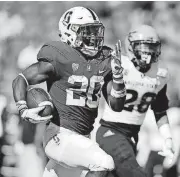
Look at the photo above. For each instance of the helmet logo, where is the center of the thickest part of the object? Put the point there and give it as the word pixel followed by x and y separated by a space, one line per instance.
pixel 67 18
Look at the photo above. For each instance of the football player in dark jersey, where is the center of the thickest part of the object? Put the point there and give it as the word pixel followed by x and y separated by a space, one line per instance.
pixel 75 69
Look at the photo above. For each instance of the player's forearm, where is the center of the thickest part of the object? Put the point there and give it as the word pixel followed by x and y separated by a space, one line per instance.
pixel 161 119
pixel 119 88
pixel 163 125
pixel 117 96
pixel 116 104
pixel 19 92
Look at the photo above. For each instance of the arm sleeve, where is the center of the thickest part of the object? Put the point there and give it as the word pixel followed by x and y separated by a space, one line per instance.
pixel 161 102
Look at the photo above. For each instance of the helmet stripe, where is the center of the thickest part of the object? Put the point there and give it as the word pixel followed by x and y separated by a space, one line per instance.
pixel 92 13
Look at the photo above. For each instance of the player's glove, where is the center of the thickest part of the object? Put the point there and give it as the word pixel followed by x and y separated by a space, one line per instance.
pixel 117 69
pixel 168 153
pixel 31 115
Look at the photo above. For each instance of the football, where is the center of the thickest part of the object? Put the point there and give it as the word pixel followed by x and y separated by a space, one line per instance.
pixel 37 95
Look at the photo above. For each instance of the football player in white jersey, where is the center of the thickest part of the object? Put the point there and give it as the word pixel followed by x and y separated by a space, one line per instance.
pixel 146 84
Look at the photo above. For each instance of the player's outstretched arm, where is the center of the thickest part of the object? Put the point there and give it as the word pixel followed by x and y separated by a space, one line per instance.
pixel 117 95
pixel 35 74
pixel 159 107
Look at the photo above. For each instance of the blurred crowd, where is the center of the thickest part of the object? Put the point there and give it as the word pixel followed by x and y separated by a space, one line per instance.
pixel 25 26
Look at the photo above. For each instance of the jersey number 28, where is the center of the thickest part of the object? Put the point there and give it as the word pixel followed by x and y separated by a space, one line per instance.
pixel 145 101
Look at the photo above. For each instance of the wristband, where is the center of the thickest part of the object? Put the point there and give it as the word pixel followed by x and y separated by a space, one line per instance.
pixel 118 94
pixel 118 81
pixel 118 78
pixel 21 106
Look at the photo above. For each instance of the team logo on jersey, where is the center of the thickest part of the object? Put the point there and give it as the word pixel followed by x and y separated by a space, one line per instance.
pixel 88 67
pixel 75 66
pixel 101 71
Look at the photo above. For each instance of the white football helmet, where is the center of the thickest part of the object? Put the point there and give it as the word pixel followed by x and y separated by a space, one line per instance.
pixel 81 28
pixel 143 47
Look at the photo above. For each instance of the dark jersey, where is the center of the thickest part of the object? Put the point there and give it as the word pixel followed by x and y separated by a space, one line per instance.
pixel 76 85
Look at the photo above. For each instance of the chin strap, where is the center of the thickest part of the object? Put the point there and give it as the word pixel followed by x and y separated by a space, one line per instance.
pixel 89 52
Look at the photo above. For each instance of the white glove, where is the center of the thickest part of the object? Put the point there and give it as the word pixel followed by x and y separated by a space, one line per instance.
pixel 32 115
pixel 168 152
pixel 117 69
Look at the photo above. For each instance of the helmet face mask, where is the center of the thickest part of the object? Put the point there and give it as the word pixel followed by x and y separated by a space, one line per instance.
pixel 143 47
pixel 81 28
pixel 145 54
pixel 90 38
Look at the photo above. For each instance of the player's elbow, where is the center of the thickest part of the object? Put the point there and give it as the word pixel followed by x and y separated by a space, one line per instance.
pixel 117 104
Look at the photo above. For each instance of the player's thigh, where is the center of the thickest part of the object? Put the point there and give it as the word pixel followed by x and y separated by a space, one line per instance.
pixel 50 131
pixel 115 144
pixel 121 149
pixel 53 169
pixel 74 150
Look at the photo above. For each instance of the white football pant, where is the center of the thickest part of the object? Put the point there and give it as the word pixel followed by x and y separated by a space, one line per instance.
pixel 71 149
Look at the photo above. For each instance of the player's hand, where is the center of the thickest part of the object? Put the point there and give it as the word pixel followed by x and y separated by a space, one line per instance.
pixel 32 115
pixel 168 153
pixel 116 60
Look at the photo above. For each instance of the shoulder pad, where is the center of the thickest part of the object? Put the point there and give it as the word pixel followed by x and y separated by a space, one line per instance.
pixel 162 72
pixel 54 50
pixel 46 53
pixel 58 45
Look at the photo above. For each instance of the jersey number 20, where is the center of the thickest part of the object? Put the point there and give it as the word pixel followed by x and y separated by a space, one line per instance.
pixel 88 93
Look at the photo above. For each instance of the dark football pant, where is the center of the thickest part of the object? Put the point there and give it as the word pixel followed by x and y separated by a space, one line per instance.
pixel 122 150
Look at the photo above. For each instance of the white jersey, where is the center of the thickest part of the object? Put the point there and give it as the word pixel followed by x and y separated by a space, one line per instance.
pixel 141 91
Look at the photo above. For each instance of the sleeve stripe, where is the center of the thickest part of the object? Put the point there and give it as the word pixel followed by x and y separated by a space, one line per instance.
pixel 22 75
